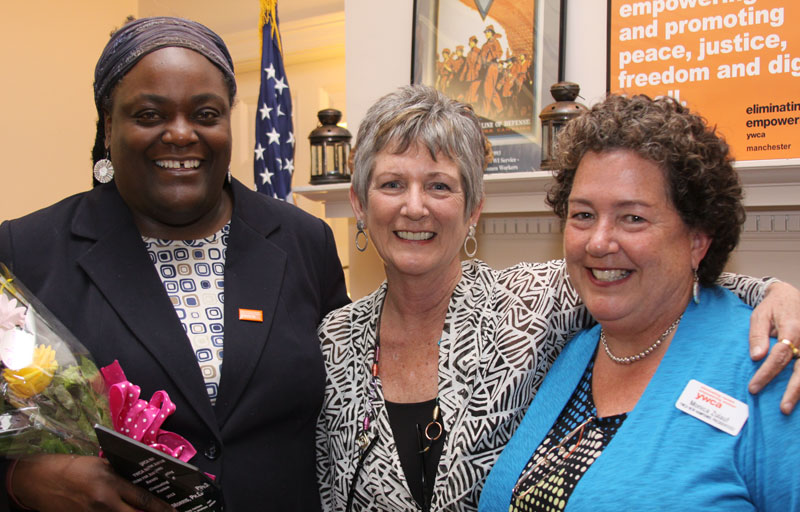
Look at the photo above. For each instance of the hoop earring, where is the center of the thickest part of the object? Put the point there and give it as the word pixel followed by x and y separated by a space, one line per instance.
pixel 471 238
pixel 104 169
pixel 696 287
pixel 361 231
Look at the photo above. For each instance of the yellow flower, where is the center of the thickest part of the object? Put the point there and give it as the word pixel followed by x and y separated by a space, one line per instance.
pixel 33 379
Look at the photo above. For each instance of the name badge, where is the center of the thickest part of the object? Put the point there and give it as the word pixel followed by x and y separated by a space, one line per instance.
pixel 251 315
pixel 713 407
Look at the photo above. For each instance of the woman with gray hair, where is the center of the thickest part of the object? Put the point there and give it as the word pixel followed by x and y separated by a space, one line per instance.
pixel 429 375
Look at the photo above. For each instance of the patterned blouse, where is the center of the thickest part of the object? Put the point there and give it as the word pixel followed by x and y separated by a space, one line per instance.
pixel 503 330
pixel 193 274
pixel 575 441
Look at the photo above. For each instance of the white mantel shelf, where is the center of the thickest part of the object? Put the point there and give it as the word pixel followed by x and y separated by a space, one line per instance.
pixel 767 185
pixel 770 184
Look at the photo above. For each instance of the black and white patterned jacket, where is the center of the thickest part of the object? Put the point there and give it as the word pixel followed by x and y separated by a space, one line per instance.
pixel 502 332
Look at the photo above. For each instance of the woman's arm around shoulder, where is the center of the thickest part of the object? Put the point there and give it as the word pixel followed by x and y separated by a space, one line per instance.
pixel 544 289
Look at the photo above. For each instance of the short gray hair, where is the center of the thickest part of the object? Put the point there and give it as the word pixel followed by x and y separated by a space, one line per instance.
pixel 418 114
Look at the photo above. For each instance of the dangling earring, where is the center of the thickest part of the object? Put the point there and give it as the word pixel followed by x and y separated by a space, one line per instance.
pixel 471 238
pixel 360 226
pixel 696 287
pixel 104 169
pixel 229 176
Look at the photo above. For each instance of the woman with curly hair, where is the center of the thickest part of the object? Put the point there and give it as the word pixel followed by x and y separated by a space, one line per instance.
pixel 650 407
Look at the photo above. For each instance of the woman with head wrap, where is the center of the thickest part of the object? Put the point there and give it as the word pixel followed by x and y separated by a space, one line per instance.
pixel 429 375
pixel 137 267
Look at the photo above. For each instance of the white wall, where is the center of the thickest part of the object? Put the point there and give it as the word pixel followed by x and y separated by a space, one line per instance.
pixel 378 50
pixel 585 62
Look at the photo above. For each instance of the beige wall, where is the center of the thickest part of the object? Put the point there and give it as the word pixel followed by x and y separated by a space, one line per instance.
pixel 48 49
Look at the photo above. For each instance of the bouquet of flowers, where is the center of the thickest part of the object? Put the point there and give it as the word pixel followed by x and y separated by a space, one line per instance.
pixel 53 397
pixel 51 392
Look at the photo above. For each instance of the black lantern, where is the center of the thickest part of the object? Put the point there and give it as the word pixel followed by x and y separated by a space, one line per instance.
pixel 555 115
pixel 330 149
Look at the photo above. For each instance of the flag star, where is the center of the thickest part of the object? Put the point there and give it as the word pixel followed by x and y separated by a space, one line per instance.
pixel 291 138
pixel 280 85
pixel 265 110
pixel 278 163
pixel 266 177
pixel 270 71
pixel 274 137
pixel 260 152
pixel 280 112
pixel 289 165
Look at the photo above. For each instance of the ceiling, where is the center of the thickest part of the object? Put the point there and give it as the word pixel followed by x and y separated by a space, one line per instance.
pixel 230 16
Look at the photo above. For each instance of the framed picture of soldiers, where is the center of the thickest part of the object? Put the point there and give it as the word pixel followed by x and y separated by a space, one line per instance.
pixel 500 56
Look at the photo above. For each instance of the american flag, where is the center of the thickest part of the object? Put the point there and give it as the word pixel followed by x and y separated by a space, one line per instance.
pixel 273 163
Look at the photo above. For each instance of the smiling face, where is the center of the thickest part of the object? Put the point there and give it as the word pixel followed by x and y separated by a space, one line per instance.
pixel 169 134
pixel 628 253
pixel 415 213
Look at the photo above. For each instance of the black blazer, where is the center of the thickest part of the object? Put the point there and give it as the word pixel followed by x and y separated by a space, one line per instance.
pixel 85 260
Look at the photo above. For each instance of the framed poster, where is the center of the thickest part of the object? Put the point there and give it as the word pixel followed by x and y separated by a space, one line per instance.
pixel 737 63
pixel 501 57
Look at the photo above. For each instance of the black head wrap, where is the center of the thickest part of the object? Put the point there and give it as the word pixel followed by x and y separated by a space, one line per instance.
pixel 143 36
pixel 140 37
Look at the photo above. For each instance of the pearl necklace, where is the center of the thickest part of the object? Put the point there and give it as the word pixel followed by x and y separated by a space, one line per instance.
pixel 644 353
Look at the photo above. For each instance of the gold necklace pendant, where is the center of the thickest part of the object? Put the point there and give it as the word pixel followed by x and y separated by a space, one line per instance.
pixel 434 423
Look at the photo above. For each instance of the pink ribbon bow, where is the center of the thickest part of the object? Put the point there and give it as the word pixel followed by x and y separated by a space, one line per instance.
pixel 141 420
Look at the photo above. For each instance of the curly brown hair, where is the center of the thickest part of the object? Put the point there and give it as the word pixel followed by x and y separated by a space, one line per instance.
pixel 703 186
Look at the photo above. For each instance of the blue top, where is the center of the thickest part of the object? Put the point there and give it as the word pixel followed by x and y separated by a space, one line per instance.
pixel 662 456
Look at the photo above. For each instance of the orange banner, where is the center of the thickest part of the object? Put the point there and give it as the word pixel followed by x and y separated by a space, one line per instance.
pixel 736 62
